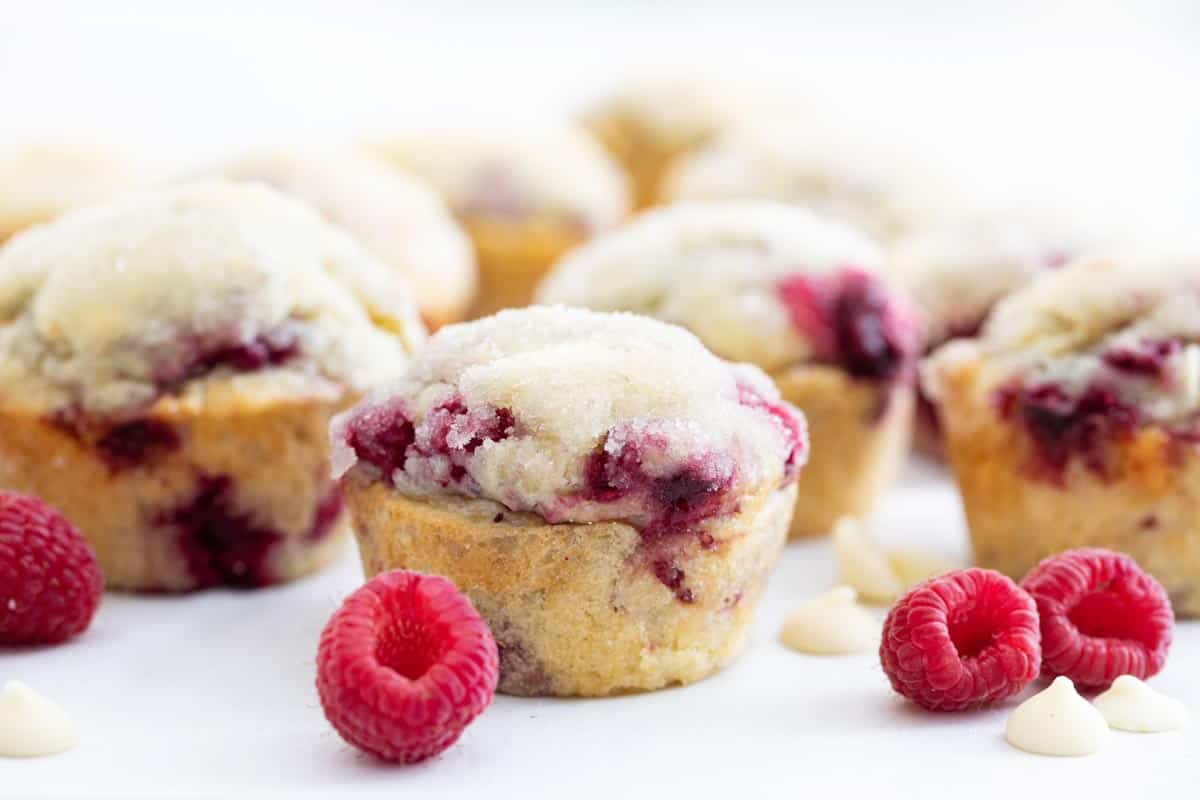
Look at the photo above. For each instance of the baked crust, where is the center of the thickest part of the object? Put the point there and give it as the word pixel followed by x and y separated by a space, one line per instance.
pixel 1148 504
pixel 577 608
pixel 860 432
pixel 513 256
pixel 274 456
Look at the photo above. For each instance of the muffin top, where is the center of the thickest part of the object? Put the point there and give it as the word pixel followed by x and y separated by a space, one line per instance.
pixel 577 416
pixel 762 282
pixel 837 173
pixel 1112 336
pixel 559 176
pixel 38 182
pixel 165 292
pixel 397 217
pixel 673 111
pixel 957 270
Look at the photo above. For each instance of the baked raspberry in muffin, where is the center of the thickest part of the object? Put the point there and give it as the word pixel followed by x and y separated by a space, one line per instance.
pixel 609 494
pixel 1074 420
pixel 875 185
pixel 395 216
pixel 957 269
pixel 39 182
pixel 525 198
pixel 797 295
pixel 169 363
pixel 647 123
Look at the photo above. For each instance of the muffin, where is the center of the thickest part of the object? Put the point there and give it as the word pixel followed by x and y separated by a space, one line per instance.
pixel 169 364
pixel 525 198
pixel 39 182
pixel 609 494
pixel 956 270
pixel 797 295
pixel 1074 420
pixel 395 216
pixel 874 185
pixel 646 124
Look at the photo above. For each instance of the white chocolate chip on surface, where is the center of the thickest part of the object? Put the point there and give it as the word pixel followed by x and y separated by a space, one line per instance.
pixel 862 563
pixel 913 566
pixel 832 624
pixel 1131 705
pixel 1057 722
pixel 33 725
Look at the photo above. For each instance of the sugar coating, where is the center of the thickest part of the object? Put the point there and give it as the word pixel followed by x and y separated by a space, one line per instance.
pixel 97 307
pixel 397 217
pixel 1066 329
pixel 714 269
pixel 574 381
pixel 839 173
pixel 676 111
pixel 958 269
pixel 557 175
pixel 38 182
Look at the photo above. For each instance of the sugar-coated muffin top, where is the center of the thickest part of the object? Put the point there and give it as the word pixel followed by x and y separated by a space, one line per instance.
pixel 114 305
pixel 1107 334
pixel 958 269
pixel 676 111
pixel 38 182
pixel 577 416
pixel 396 216
pixel 762 282
pixel 839 173
pixel 559 175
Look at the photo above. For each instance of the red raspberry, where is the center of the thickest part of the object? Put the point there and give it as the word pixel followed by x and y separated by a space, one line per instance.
pixel 50 584
pixel 405 665
pixel 1102 617
pixel 961 640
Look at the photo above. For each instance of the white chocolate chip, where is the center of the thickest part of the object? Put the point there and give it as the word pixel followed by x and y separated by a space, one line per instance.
pixel 862 564
pixel 832 624
pixel 32 725
pixel 913 566
pixel 1131 705
pixel 1190 376
pixel 1057 722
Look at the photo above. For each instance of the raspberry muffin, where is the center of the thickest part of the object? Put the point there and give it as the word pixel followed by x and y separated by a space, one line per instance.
pixel 395 216
pixel 609 494
pixel 795 294
pixel 877 189
pixel 1074 420
pixel 169 363
pixel 38 182
pixel 526 198
pixel 958 269
pixel 646 124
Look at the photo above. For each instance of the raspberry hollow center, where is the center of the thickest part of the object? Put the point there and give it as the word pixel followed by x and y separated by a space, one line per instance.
pixel 406 647
pixel 1104 614
pixel 971 634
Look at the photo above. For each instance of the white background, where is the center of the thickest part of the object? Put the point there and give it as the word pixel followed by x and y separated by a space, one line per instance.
pixel 1093 103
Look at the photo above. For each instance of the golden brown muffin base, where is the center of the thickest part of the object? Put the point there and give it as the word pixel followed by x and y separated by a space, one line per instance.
pixel 274 454
pixel 645 159
pixel 513 257
pixel 859 433
pixel 1148 508
pixel 576 609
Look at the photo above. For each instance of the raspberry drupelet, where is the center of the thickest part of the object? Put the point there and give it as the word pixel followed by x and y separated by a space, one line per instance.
pixel 609 494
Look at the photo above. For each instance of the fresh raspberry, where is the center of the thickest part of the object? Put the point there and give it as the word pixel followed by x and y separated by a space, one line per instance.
pixel 961 640
pixel 405 665
pixel 50 584
pixel 1102 617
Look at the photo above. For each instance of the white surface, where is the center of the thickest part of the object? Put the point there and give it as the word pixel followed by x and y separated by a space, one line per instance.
pixel 212 695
